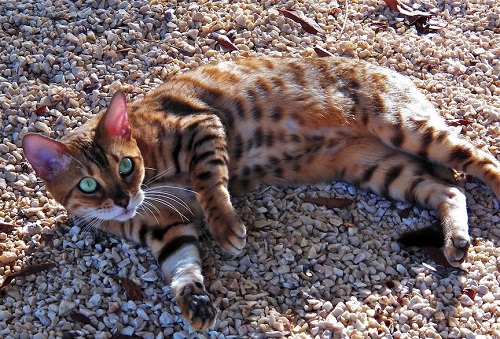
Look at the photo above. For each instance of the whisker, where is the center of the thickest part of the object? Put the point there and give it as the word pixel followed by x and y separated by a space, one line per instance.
pixel 147 206
pixel 169 205
pixel 171 197
pixel 152 189
pixel 157 176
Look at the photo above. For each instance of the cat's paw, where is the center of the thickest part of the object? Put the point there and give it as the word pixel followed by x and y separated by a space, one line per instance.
pixel 230 235
pixel 455 248
pixel 196 306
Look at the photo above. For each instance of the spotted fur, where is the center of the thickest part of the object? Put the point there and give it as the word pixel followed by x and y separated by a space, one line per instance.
pixel 232 125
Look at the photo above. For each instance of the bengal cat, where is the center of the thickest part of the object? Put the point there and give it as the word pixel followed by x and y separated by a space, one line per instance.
pixel 225 127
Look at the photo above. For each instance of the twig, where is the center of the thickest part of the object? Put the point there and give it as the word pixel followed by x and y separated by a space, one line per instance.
pixel 345 19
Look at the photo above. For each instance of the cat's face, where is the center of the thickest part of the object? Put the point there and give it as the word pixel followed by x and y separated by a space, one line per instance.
pixel 97 170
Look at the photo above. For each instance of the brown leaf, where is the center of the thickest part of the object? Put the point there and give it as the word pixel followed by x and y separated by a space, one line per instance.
pixel 224 41
pixel 80 318
pixel 321 52
pixel 6 227
pixel 132 289
pixel 393 4
pixel 308 24
pixel 32 269
pixel 40 110
pixel 423 21
pixel 459 122
pixel 437 256
pixel 402 8
pixel 470 292
pixel 91 87
pixel 330 202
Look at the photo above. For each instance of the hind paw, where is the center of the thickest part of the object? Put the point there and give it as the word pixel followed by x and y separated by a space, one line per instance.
pixel 196 306
pixel 455 248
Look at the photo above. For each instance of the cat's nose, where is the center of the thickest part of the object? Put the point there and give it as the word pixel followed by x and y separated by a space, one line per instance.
pixel 122 202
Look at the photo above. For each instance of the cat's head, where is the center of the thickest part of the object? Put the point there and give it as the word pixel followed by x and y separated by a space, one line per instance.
pixel 95 171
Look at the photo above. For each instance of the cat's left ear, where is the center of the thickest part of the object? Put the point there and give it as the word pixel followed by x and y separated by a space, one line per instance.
pixel 115 120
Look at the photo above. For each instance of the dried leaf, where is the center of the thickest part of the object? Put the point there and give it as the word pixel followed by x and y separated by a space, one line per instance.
pixel 6 227
pixel 334 11
pixel 392 4
pixel 330 202
pixel 423 21
pixel 437 256
pixel 309 25
pixel 80 318
pixel 225 42
pixel 378 26
pixel 459 122
pixel 91 87
pixel 470 292
pixel 28 270
pixel 40 110
pixel 321 52
pixel 132 289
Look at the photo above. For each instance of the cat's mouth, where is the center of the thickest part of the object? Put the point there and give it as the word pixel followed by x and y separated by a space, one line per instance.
pixel 126 214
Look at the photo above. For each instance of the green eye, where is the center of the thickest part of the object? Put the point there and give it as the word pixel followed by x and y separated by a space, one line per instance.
pixel 88 185
pixel 126 166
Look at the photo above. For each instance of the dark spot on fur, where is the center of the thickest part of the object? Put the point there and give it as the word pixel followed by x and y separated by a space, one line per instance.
pixel 258 137
pixel 277 113
pixel 390 177
pixel 427 139
pixel 176 105
pixel 258 170
pixel 269 139
pixel 368 173
pixel 174 245
pixel 237 148
pixel 204 176
pixel 460 154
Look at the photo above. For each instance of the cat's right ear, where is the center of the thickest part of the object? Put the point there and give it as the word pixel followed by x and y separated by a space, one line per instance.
pixel 45 155
pixel 115 121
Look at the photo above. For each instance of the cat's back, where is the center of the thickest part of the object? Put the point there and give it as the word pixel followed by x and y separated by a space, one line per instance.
pixel 311 92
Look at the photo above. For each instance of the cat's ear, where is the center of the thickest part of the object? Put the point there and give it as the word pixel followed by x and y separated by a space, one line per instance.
pixel 115 120
pixel 45 155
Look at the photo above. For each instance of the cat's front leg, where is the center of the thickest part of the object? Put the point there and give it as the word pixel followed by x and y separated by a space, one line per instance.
pixel 186 283
pixel 175 247
pixel 207 164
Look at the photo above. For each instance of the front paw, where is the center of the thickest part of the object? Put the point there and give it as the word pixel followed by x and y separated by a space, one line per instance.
pixel 230 235
pixel 455 248
pixel 196 306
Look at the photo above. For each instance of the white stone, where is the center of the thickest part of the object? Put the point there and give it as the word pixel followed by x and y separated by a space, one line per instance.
pixel 65 306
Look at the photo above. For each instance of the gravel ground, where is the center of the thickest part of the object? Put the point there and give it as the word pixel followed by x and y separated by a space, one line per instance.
pixel 307 271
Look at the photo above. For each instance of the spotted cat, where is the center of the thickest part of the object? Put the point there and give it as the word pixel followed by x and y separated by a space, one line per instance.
pixel 147 170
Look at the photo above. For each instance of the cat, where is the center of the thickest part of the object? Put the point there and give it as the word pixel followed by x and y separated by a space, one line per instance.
pixel 146 171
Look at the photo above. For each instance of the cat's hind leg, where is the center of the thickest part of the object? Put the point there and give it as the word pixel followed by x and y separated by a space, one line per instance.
pixel 429 137
pixel 375 166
